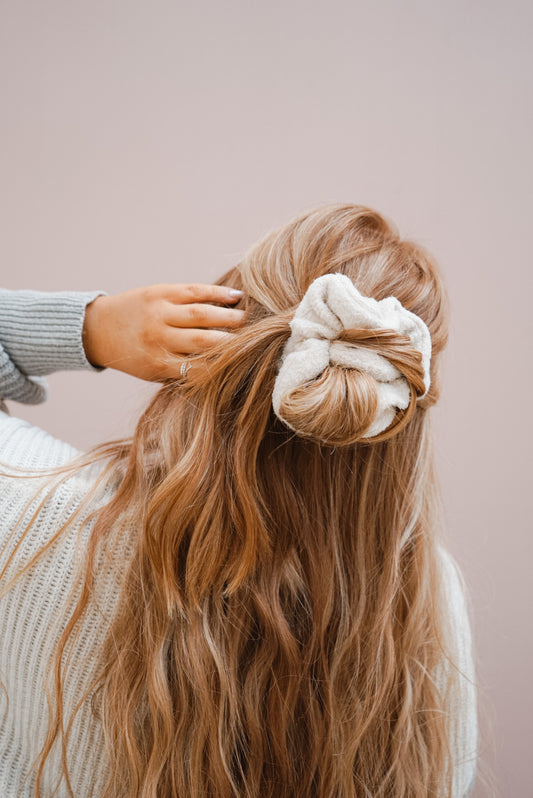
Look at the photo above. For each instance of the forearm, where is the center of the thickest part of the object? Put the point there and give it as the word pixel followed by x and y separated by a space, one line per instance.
pixel 40 333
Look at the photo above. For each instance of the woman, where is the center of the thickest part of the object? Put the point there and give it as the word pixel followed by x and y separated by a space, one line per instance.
pixel 249 597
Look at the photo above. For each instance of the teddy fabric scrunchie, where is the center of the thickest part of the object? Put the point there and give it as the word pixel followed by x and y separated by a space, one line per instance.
pixel 330 305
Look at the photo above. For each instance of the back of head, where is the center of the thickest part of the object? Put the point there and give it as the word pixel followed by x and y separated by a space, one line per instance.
pixel 340 405
pixel 280 624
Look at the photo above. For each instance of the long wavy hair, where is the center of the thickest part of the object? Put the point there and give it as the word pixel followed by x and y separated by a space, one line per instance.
pixel 279 620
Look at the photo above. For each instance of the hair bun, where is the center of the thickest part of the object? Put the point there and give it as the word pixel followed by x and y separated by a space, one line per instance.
pixel 370 398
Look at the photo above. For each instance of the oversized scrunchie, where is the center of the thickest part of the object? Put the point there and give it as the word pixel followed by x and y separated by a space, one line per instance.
pixel 330 305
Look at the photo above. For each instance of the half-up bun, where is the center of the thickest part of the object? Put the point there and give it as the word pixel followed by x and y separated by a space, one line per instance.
pixel 340 406
pixel 381 353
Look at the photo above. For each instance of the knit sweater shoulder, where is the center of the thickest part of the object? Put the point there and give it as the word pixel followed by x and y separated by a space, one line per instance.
pixel 40 333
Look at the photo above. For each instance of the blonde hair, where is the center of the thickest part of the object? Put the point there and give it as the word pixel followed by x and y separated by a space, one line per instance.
pixel 280 620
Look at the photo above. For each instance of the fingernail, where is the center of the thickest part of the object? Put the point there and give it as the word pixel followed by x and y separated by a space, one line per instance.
pixel 235 292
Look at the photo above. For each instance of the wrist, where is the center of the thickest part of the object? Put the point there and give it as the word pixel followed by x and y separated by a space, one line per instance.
pixel 92 333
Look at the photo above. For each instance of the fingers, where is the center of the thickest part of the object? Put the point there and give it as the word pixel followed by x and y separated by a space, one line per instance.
pixel 182 341
pixel 187 293
pixel 198 315
pixel 184 321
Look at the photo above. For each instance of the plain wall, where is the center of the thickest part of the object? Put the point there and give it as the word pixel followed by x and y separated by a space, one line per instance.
pixel 154 142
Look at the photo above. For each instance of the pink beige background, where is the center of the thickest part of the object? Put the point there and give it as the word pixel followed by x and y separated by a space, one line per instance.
pixel 146 142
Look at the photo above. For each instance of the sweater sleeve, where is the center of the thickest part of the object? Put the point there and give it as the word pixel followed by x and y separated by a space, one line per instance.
pixel 40 332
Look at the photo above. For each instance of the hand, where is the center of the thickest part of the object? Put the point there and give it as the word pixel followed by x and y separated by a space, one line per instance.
pixel 147 332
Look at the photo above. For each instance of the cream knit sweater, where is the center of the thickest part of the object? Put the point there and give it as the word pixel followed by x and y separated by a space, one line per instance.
pixel 40 332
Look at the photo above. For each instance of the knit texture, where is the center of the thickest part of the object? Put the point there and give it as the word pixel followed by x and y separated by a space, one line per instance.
pixel 30 612
pixel 40 334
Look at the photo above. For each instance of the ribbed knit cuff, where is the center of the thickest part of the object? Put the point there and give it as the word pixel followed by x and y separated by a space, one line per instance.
pixel 41 330
pixel 16 385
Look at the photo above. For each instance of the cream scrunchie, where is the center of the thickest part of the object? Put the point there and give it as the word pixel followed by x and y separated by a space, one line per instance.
pixel 330 305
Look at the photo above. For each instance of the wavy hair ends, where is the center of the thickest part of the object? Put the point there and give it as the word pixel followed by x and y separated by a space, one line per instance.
pixel 280 622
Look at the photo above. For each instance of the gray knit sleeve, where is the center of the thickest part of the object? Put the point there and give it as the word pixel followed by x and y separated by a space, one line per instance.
pixel 40 332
